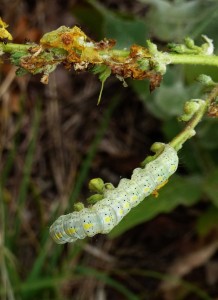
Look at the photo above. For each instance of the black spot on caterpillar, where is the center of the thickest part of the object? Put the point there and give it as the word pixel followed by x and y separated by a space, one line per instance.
pixel 103 216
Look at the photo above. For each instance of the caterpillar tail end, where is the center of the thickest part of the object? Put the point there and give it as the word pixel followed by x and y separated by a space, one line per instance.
pixel 58 233
pixel 56 236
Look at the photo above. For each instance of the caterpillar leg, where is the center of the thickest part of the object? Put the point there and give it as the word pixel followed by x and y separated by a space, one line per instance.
pixel 155 193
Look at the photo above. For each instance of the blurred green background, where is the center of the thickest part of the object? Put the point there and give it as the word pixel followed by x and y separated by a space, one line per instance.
pixel 54 139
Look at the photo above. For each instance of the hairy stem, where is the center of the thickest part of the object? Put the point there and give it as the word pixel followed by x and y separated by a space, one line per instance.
pixel 188 131
pixel 191 59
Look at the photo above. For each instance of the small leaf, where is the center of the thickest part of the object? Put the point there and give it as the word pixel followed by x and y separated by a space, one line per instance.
pixel 104 72
pixel 16 57
pixel 168 101
pixel 21 72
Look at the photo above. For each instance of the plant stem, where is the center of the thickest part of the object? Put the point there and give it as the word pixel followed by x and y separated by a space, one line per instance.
pixel 190 59
pixel 11 47
pixel 188 131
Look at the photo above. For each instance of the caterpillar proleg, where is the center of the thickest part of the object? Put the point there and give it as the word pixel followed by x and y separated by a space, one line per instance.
pixel 103 216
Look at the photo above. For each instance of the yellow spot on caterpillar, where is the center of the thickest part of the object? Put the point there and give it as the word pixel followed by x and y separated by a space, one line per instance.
pixel 126 205
pixel 107 219
pixel 87 225
pixel 173 168
pixel 70 231
pixel 58 235
pixel 147 189
pixel 121 212
pixel 134 198
pixel 159 178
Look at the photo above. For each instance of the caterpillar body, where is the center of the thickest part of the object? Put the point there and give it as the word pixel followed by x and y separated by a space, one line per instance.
pixel 103 216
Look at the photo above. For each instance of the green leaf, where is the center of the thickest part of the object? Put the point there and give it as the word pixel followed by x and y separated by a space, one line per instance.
pixel 207 221
pixel 211 187
pixel 171 128
pixel 179 191
pixel 167 101
pixel 125 32
pixel 123 28
pixel 208 133
pixel 172 20
pixel 89 17
pixel 191 73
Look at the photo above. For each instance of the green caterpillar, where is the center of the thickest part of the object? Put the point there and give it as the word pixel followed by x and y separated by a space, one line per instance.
pixel 103 216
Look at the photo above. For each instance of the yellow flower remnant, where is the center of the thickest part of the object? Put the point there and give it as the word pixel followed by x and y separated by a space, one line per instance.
pixel 73 48
pixel 4 34
pixel 79 47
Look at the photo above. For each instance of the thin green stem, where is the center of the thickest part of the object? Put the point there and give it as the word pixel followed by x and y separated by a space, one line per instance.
pixel 191 59
pixel 6 283
pixel 188 131
pixel 11 47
